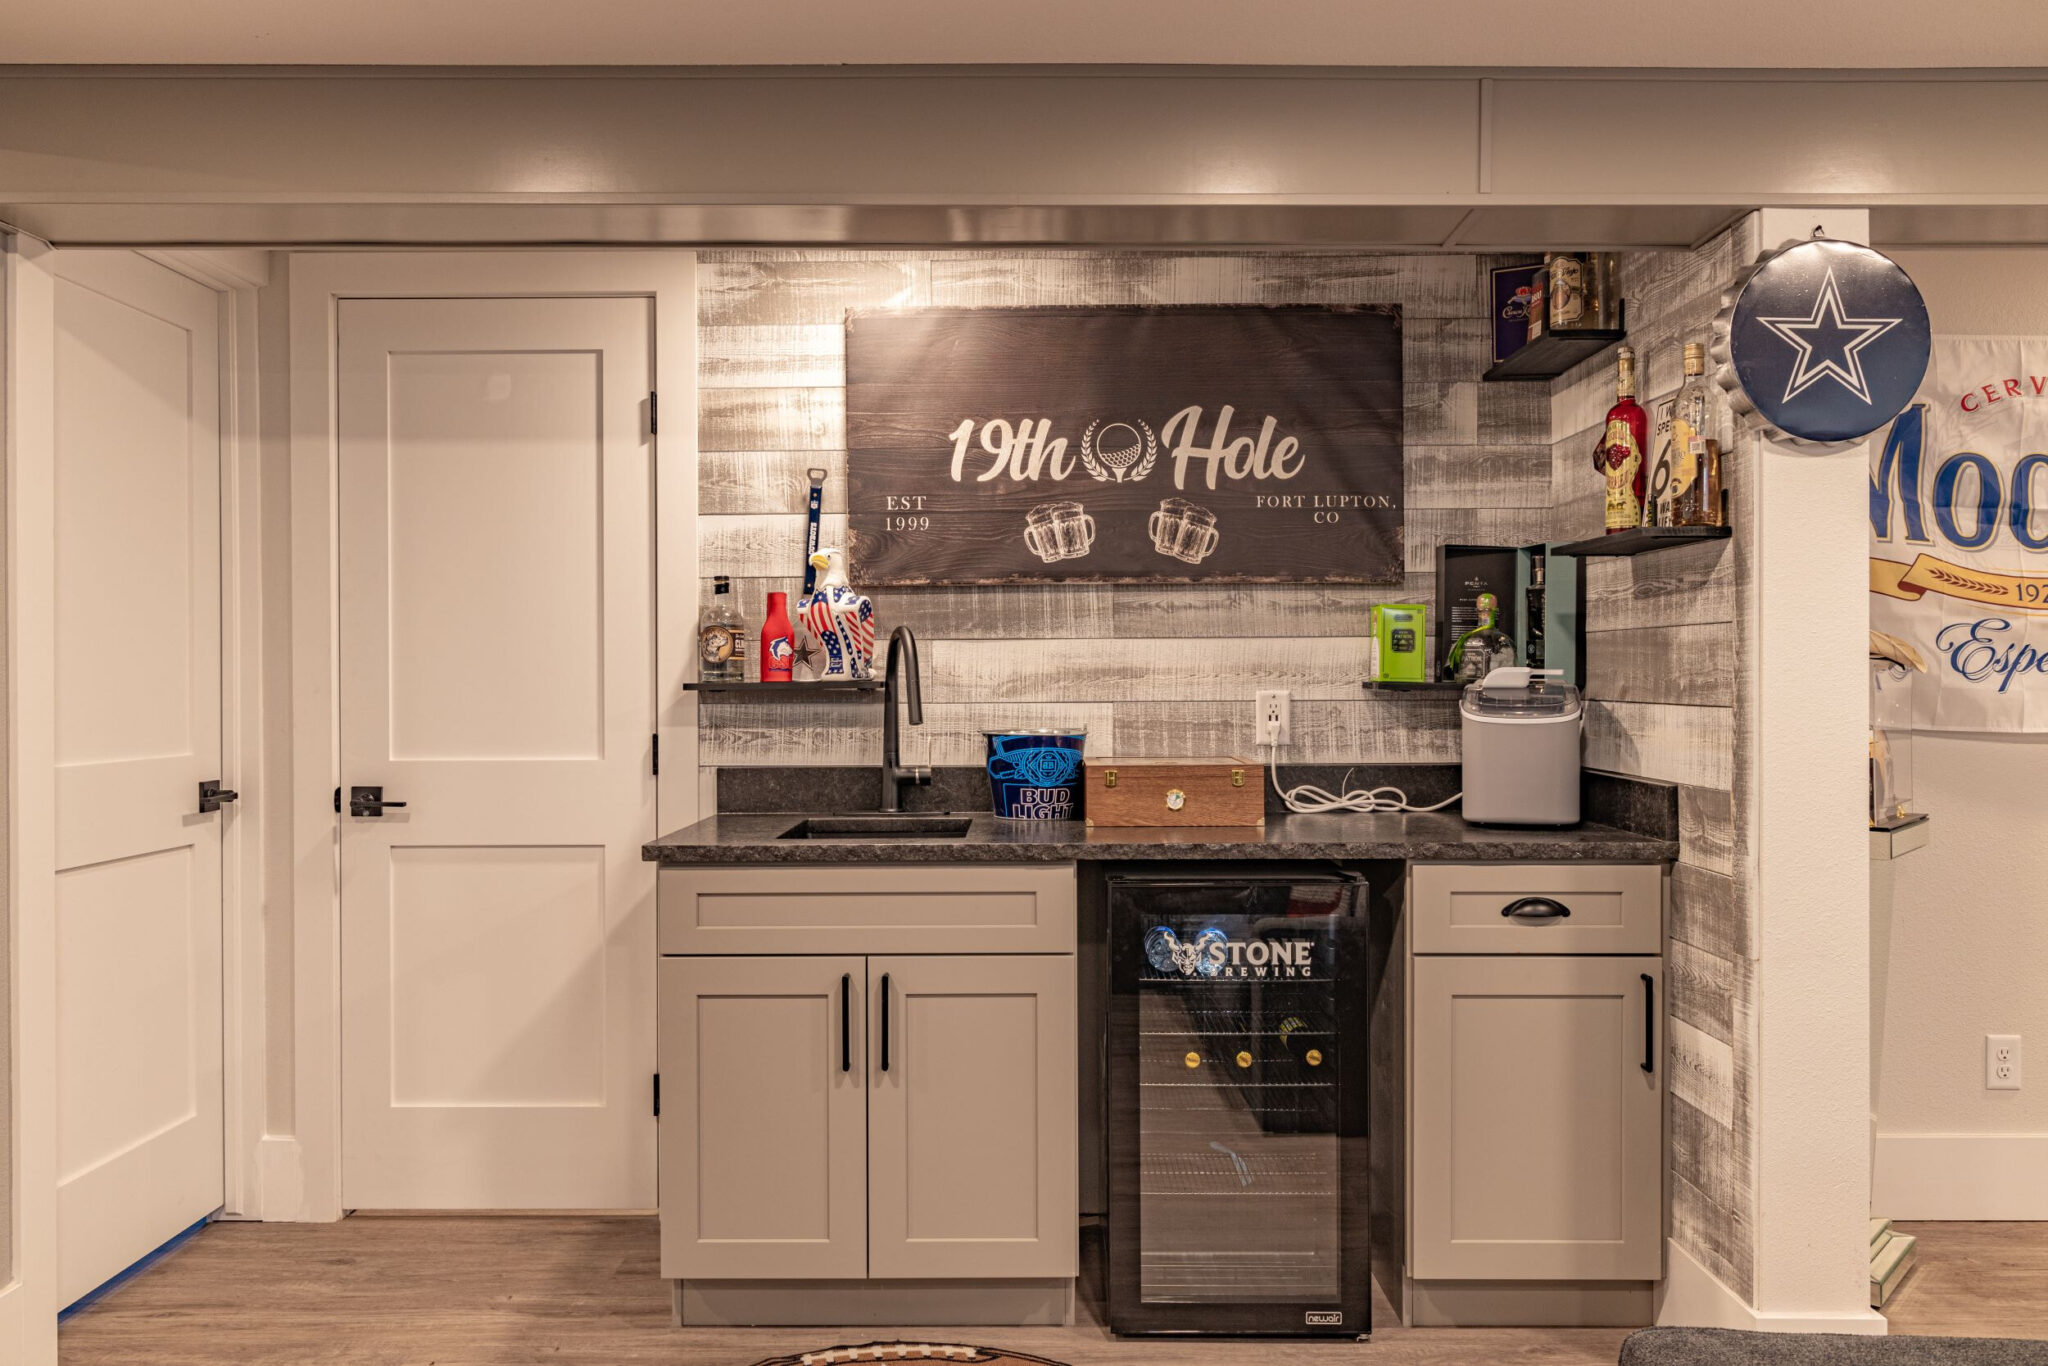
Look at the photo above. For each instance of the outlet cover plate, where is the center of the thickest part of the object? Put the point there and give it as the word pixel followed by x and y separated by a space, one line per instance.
pixel 2001 1062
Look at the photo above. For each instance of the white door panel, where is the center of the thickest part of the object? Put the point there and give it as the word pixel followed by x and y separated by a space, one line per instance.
pixel 137 616
pixel 497 676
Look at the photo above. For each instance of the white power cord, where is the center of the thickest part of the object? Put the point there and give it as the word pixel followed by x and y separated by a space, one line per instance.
pixel 1309 800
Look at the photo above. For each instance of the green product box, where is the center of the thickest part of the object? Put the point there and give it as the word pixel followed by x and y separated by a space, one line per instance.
pixel 1399 633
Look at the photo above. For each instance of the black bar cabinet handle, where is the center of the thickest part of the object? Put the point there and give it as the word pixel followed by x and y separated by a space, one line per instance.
pixel 885 1022
pixel 1649 1023
pixel 846 1022
pixel 1536 908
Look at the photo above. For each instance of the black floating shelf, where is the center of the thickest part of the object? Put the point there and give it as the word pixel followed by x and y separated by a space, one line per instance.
pixel 1642 539
pixel 1426 685
pixel 1553 353
pixel 837 687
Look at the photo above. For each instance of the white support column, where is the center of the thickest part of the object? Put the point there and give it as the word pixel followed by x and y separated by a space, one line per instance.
pixel 1812 909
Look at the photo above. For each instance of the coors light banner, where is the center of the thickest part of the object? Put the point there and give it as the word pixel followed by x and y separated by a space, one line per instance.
pixel 1124 445
pixel 1959 535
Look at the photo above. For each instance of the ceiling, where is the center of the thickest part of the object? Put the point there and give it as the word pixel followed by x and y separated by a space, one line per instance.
pixel 1604 34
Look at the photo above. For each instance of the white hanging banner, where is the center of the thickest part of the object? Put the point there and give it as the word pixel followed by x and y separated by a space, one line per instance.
pixel 1959 535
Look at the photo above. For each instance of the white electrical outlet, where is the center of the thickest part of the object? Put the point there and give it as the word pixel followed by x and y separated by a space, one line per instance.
pixel 1274 716
pixel 2001 1062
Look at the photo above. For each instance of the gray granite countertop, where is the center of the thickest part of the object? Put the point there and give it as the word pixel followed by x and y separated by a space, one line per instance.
pixel 1439 836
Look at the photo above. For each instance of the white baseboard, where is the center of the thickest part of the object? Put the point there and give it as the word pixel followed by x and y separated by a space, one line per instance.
pixel 1694 1297
pixel 281 1179
pixel 1960 1176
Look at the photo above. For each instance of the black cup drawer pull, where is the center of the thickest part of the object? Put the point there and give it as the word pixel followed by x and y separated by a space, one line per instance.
pixel 1536 908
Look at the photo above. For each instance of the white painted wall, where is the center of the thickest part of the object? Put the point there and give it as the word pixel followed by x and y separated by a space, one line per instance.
pixel 1959 944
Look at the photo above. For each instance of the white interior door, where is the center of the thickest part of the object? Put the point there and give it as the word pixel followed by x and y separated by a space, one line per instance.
pixel 137 666
pixel 497 677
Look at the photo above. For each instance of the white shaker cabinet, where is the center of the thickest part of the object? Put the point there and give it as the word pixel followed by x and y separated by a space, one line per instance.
pixel 902 1109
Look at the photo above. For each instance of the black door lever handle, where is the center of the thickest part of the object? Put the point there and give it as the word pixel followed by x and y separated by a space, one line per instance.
pixel 369 801
pixel 212 796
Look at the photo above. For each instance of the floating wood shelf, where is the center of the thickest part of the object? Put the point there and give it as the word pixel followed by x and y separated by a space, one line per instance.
pixel 836 687
pixel 1426 685
pixel 1642 539
pixel 1553 353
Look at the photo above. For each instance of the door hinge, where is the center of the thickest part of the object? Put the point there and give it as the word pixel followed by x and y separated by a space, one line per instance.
pixel 337 801
pixel 653 414
pixel 655 742
pixel 657 1095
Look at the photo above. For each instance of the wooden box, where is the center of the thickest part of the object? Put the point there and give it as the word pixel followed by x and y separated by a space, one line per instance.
pixel 1167 792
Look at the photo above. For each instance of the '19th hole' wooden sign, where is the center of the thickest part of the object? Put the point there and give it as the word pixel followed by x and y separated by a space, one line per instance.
pixel 1125 445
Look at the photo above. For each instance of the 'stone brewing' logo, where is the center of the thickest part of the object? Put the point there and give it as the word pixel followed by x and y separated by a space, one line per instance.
pixel 1212 953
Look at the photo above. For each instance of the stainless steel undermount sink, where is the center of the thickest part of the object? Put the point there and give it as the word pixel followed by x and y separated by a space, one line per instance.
pixel 879 828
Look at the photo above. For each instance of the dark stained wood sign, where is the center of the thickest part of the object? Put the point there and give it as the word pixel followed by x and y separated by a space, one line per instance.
pixel 1124 445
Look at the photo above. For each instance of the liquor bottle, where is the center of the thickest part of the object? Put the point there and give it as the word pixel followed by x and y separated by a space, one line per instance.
pixel 778 641
pixel 1482 649
pixel 1533 614
pixel 1688 441
pixel 1706 503
pixel 1567 293
pixel 1619 456
pixel 722 637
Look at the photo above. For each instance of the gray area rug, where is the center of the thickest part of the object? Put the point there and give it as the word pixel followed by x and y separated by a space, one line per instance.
pixel 1729 1347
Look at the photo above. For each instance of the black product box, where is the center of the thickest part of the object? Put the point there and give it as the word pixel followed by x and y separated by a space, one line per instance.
pixel 1463 572
pixel 1511 286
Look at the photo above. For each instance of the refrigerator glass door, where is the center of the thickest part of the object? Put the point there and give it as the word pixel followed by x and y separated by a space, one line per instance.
pixel 1246 1109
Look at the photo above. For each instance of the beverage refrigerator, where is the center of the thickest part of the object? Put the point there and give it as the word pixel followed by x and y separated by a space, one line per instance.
pixel 1237 1100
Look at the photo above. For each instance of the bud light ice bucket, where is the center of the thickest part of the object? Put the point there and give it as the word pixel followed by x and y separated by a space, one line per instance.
pixel 1035 775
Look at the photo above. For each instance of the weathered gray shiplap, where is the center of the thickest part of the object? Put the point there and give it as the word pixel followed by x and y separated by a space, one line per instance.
pixel 1706 834
pixel 1701 988
pixel 1702 1071
pixel 1691 666
pixel 811 355
pixel 1707 912
pixel 1476 476
pixel 1258 609
pixel 1685 745
pixel 1138 670
pixel 1393 730
pixel 740 482
pixel 784 288
pixel 1681 587
pixel 734 734
pixel 792 419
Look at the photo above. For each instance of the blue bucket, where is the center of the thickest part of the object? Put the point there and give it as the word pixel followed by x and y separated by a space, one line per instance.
pixel 1035 775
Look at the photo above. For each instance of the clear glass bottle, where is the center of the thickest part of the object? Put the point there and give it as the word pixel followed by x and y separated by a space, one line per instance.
pixel 1688 448
pixel 722 636
pixel 1482 649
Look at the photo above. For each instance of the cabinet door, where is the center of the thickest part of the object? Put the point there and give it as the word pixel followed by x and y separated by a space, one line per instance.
pixel 1538 1119
pixel 763 1118
pixel 973 1137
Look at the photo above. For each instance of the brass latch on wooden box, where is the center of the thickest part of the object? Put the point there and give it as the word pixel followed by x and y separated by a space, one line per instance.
pixel 1109 777
pixel 1237 777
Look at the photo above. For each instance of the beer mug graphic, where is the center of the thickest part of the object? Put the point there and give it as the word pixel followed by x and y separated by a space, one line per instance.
pixel 1059 531
pixel 1183 531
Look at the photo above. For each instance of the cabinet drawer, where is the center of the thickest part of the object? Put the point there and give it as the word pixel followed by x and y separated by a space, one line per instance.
pixel 1500 907
pixel 868 908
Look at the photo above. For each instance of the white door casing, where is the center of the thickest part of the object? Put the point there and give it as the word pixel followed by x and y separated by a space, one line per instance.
pixel 496 649
pixel 138 727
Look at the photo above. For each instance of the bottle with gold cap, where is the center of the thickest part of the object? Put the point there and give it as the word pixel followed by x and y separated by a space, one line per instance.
pixel 1694 498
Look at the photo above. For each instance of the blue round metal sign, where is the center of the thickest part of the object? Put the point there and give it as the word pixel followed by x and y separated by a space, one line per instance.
pixel 1826 341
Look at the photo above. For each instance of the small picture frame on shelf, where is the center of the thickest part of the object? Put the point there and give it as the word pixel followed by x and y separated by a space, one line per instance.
pixel 1513 289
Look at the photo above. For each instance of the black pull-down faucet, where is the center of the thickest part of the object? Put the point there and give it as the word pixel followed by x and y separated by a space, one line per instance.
pixel 903 642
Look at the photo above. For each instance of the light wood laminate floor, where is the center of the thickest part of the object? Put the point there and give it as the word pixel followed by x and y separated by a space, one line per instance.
pixel 583 1291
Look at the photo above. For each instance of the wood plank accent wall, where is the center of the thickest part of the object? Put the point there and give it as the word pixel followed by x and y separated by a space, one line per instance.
pixel 1669 666
pixel 1158 670
pixel 1150 670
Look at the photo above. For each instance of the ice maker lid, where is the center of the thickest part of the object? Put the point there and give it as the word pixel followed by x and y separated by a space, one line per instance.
pixel 1516 693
